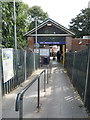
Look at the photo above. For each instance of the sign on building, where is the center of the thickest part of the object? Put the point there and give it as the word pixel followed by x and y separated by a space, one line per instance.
pixel 45 52
pixel 7 61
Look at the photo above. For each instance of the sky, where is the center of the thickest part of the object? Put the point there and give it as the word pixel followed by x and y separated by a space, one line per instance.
pixel 62 11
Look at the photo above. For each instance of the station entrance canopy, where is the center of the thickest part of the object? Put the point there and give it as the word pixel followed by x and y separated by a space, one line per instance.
pixel 50 32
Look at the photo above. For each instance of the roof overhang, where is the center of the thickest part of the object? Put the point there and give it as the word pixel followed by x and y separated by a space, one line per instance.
pixel 69 33
pixel 51 35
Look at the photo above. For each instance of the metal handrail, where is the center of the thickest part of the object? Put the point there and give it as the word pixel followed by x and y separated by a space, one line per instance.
pixel 19 98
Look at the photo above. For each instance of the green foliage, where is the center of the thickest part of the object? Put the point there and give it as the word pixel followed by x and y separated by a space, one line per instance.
pixel 8 23
pixel 24 16
pixel 21 22
pixel 36 11
pixel 80 25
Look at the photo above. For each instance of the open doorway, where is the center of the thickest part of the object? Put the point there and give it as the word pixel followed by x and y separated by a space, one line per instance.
pixel 54 50
pixel 53 53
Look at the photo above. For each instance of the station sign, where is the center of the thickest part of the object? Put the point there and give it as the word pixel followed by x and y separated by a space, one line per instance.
pixel 61 43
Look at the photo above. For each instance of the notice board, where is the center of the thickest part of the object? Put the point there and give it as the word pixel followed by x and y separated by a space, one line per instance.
pixel 7 61
pixel 45 52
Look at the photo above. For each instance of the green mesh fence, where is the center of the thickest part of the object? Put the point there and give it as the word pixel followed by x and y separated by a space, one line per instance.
pixel 76 66
pixel 79 71
pixel 69 63
pixel 29 63
pixel 23 64
pixel 37 60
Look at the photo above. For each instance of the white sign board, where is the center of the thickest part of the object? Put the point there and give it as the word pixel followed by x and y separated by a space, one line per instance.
pixel 44 52
pixel 7 60
pixel 36 50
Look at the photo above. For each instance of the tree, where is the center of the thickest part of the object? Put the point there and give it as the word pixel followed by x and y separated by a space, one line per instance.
pixel 8 23
pixel 80 25
pixel 22 11
pixel 24 16
pixel 36 11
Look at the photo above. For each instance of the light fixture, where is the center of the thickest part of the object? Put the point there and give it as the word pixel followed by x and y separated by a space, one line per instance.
pixel 80 43
pixel 49 24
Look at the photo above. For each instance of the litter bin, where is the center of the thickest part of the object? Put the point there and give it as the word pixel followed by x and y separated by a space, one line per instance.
pixel 46 60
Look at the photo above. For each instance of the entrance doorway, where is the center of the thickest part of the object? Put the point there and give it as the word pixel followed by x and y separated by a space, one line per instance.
pixel 53 51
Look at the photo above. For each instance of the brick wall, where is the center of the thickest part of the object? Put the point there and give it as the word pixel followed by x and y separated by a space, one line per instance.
pixel 68 43
pixel 72 44
pixel 30 41
pixel 79 44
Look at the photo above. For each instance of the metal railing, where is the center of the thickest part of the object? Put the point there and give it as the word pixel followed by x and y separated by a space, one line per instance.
pixel 49 70
pixel 19 99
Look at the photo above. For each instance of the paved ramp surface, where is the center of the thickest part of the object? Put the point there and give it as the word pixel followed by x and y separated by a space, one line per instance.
pixel 59 101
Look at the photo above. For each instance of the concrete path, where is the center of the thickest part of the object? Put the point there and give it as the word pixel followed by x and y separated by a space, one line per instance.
pixel 59 101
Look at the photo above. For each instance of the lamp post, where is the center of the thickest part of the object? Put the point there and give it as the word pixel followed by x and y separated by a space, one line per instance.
pixel 36 18
pixel 15 36
pixel 35 51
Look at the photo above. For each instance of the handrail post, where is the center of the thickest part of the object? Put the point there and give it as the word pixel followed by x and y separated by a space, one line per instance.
pixel 38 99
pixel 47 75
pixel 19 99
pixel 21 108
pixel 50 70
pixel 44 80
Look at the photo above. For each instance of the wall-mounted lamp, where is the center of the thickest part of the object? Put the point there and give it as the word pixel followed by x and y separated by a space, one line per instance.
pixel 80 43
pixel 49 24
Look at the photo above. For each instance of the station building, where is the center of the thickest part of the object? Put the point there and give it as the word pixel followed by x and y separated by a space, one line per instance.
pixel 50 33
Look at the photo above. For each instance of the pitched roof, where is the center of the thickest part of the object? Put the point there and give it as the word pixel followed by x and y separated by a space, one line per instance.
pixel 53 22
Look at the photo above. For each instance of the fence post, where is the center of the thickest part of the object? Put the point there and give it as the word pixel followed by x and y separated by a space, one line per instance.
pixel 2 77
pixel 87 74
pixel 73 66
pixel 1 83
pixel 25 64
pixel 16 69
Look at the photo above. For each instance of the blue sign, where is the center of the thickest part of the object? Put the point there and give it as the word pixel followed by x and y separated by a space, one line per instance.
pixel 63 42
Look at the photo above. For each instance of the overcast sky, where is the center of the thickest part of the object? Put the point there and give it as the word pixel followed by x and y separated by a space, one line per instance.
pixel 62 11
